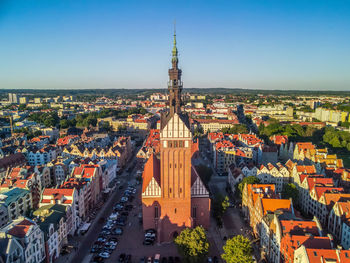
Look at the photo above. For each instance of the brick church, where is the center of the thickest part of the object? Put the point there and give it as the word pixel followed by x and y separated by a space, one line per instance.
pixel 173 194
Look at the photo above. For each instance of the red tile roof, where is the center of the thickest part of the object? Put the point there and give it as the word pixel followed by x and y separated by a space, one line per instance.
pixel 307 169
pixel 151 169
pixel 21 229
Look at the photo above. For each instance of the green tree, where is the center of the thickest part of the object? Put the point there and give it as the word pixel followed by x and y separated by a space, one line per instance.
pixel 238 128
pixel 290 191
pixel 64 124
pixel 198 131
pixel 247 180
pixel 238 250
pixel 193 244
pixel 219 206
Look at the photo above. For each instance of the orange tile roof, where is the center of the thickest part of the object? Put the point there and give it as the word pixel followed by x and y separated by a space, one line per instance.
pixel 321 190
pixel 319 181
pixel 296 227
pixel 272 204
pixel 151 169
pixel 321 255
pixel 54 191
pixel 307 169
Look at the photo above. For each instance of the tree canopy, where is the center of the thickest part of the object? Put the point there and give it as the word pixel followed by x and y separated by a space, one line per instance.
pixel 238 250
pixel 290 191
pixel 239 128
pixel 193 244
pixel 219 207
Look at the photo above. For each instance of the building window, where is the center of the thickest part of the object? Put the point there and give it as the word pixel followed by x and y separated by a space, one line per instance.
pixel 180 190
pixel 175 165
pixel 180 165
pixel 156 215
pixel 194 212
pixel 181 144
pixel 169 165
pixel 170 144
pixel 170 190
pixel 175 210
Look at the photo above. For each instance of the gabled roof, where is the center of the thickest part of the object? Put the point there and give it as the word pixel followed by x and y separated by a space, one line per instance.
pixel 307 169
pixel 151 169
pixel 319 190
pixel 21 229
pixel 298 227
pixel 319 181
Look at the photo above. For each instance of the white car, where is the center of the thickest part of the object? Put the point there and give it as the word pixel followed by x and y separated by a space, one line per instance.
pixel 104 255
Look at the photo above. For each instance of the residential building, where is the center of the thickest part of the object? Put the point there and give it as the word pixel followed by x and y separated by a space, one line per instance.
pixel 29 235
pixel 14 203
pixel 52 220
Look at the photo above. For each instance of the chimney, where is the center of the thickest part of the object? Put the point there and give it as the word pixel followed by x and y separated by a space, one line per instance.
pixel 266 190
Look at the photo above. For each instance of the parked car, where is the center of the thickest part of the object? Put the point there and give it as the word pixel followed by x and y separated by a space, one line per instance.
pixel 118 231
pixel 150 235
pixel 114 239
pixel 156 258
pixel 119 207
pixel 142 260
pixel 104 255
pixel 149 260
pixel 124 199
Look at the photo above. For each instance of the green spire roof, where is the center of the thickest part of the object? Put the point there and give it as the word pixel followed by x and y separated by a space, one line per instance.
pixel 174 52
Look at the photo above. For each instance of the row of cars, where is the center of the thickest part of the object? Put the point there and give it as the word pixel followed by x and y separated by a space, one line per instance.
pixel 107 240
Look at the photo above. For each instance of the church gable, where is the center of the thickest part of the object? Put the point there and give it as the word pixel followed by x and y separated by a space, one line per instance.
pixel 151 172
pixel 176 127
pixel 152 190
pixel 198 188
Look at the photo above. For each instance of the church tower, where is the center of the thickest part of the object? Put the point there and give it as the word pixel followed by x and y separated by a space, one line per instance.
pixel 175 156
pixel 175 84
pixel 173 195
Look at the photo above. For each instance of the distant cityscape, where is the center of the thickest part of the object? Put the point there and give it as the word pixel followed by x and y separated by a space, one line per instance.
pixel 74 167
pixel 179 174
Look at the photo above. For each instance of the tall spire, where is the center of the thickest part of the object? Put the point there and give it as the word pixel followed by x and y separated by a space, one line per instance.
pixel 175 84
pixel 174 52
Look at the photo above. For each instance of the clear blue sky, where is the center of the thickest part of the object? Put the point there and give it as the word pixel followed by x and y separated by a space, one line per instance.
pixel 259 44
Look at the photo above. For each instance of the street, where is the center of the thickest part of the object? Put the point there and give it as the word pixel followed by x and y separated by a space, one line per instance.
pixel 85 242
